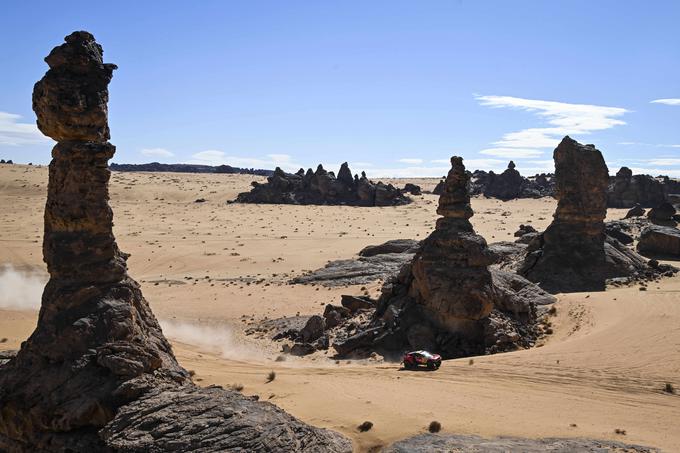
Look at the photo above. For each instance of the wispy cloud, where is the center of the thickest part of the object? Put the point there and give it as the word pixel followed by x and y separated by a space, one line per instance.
pixel 563 118
pixel 14 133
pixel 512 153
pixel 668 101
pixel 657 145
pixel 411 161
pixel 156 152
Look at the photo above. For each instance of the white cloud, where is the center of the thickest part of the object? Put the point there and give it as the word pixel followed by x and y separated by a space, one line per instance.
pixel 669 101
pixel 564 119
pixel 14 133
pixel 671 161
pixel 279 157
pixel 658 145
pixel 512 153
pixel 412 161
pixel 156 152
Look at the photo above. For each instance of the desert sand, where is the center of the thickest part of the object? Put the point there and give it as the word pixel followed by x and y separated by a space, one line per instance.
pixel 211 269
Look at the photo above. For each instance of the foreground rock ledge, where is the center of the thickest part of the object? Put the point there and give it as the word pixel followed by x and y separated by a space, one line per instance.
pixel 97 374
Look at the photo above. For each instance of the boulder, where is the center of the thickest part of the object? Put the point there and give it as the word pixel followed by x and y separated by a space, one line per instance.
pixel 635 211
pixel 392 246
pixel 664 212
pixel 657 240
pixel 413 189
pixel 313 329
pixel 356 303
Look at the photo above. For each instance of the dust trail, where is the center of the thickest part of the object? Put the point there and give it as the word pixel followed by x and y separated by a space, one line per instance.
pixel 214 338
pixel 20 290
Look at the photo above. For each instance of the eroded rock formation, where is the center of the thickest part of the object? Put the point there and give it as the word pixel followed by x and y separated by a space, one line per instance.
pixel 626 190
pixel 97 358
pixel 323 188
pixel 573 254
pixel 447 300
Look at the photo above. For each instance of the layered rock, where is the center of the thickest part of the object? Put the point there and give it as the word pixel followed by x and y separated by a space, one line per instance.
pixel 573 253
pixel 446 299
pixel 323 188
pixel 662 241
pixel 626 190
pixel 97 346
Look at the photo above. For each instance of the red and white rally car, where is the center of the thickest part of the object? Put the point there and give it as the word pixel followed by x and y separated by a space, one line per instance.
pixel 414 359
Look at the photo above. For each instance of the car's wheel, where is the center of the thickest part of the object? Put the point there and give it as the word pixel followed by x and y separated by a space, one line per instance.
pixel 431 366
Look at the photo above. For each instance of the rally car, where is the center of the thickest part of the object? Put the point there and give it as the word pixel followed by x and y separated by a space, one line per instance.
pixel 414 359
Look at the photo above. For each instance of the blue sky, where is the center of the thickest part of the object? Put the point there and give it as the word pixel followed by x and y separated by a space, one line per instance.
pixel 393 87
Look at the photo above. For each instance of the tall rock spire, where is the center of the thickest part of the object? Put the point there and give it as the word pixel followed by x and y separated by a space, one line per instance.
pixel 97 374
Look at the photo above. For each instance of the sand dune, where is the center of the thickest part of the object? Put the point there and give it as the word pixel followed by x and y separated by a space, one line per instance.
pixel 209 269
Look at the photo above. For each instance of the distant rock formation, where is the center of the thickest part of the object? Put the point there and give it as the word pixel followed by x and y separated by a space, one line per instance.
pixel 97 374
pixel 189 168
pixel 447 300
pixel 626 190
pixel 321 187
pixel 572 254
pixel 663 213
pixel 510 184
pixel 8 162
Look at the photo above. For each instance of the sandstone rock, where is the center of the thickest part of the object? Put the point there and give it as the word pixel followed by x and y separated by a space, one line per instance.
pixel 657 240
pixel 393 246
pixel 505 186
pixel 356 303
pixel 635 211
pixel 313 329
pixel 620 231
pixel 212 420
pixel 97 347
pixel 323 188
pixel 627 189
pixel 664 212
pixel 572 254
pixel 365 269
pixel 439 188
pixel 425 443
pixel 413 189
pixel 442 299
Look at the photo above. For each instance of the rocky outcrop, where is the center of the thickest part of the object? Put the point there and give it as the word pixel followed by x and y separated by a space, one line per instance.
pixel 411 188
pixel 445 299
pixel 626 190
pixel 663 213
pixel 572 253
pixel 323 188
pixel 510 185
pixel 425 443
pixel 662 241
pixel 505 186
pixel 188 168
pixel 97 347
pixel 8 162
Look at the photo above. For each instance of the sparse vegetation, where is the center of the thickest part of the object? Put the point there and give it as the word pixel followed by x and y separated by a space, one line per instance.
pixel 471 362
pixel 271 376
pixel 620 431
pixel 3 340
pixel 237 387
pixel 434 427
pixel 365 426
pixel 552 310
pixel 668 388
pixel 192 373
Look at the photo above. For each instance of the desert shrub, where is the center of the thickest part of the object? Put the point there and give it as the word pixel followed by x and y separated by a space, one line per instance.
pixel 434 427
pixel 365 426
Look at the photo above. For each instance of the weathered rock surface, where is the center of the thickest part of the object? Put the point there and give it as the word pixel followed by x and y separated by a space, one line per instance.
pixel 657 240
pixel 510 184
pixel 212 420
pixel 425 443
pixel 572 254
pixel 97 346
pixel 626 190
pixel 411 188
pixel 635 211
pixel 323 188
pixel 360 271
pixel 445 299
pixel 392 246
pixel 664 212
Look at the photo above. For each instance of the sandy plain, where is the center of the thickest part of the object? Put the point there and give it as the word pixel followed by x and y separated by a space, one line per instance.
pixel 210 270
